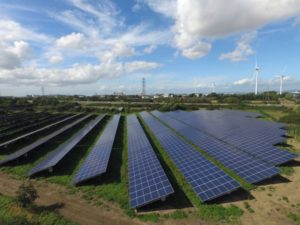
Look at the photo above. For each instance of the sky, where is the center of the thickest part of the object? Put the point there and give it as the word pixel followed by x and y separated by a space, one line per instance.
pixel 92 47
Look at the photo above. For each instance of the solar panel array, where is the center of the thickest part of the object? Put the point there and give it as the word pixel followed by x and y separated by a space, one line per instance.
pixel 59 153
pixel 15 125
pixel 253 136
pixel 147 179
pixel 35 131
pixel 249 168
pixel 25 150
pixel 207 180
pixel 97 161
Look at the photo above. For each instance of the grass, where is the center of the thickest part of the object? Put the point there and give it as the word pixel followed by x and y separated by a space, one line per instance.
pixel 11 214
pixel 287 170
pixel 284 198
pixel 248 207
pixel 212 212
pixel 295 217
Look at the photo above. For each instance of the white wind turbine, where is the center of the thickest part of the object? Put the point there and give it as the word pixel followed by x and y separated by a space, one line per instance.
pixel 257 69
pixel 281 77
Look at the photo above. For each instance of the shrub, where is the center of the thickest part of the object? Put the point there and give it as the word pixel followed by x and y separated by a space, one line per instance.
pixel 26 194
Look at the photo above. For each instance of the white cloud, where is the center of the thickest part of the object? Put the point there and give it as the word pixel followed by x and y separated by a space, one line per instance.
pixel 242 50
pixel 136 7
pixel 245 81
pixel 202 20
pixel 8 60
pixel 12 56
pixel 71 41
pixel 197 51
pixel 134 66
pixel 56 59
pixel 12 31
pixel 104 11
pixel 165 7
pixel 21 49
pixel 150 49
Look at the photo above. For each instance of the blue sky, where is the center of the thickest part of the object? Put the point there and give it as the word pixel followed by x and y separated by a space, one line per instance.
pixel 179 46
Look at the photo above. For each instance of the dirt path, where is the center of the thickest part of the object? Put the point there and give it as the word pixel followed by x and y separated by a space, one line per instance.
pixel 70 206
pixel 273 202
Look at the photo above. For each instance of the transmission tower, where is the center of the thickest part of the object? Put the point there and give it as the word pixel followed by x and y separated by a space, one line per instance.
pixel 143 87
pixel 43 90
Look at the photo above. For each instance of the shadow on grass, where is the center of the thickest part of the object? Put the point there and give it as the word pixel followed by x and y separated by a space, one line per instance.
pixel 69 163
pixel 48 208
pixel 278 179
pixel 292 163
pixel 40 152
pixel 236 196
pixel 283 144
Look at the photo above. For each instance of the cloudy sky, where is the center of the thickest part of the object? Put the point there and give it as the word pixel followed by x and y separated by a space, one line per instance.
pixel 102 46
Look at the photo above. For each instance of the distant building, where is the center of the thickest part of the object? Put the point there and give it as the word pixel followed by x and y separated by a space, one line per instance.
pixel 118 94
pixel 296 94
pixel 158 96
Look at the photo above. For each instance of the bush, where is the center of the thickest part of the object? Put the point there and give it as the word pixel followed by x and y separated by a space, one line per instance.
pixel 26 194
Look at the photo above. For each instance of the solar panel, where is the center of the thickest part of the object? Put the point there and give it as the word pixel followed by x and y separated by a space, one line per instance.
pixel 22 123
pixel 59 153
pixel 97 161
pixel 249 168
pixel 36 131
pixel 32 146
pixel 255 137
pixel 147 179
pixel 207 180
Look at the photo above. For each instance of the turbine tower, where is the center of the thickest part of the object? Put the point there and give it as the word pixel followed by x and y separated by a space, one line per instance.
pixel 281 81
pixel 281 77
pixel 213 87
pixel 256 77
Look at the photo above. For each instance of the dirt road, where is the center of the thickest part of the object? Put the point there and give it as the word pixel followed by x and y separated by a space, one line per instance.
pixel 70 206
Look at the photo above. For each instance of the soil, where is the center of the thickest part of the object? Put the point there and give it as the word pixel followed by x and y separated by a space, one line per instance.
pixel 273 200
pixel 71 206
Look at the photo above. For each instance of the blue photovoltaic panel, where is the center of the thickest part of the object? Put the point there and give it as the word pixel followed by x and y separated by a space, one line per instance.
pixel 26 123
pixel 147 179
pixel 34 132
pixel 32 146
pixel 249 168
pixel 207 180
pixel 58 154
pixel 97 161
pixel 255 137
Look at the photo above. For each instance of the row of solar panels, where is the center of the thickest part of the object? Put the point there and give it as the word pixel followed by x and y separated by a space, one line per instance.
pixel 96 162
pixel 148 182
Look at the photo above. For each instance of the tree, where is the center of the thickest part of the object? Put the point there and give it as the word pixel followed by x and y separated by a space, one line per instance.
pixel 26 194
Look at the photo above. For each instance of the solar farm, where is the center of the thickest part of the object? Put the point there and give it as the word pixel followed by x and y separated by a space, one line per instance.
pixel 206 156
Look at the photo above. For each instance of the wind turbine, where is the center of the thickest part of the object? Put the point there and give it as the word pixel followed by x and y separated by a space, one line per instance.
pixel 213 87
pixel 256 77
pixel 281 77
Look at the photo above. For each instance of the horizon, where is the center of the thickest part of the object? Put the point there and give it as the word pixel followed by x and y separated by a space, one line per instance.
pixel 83 47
